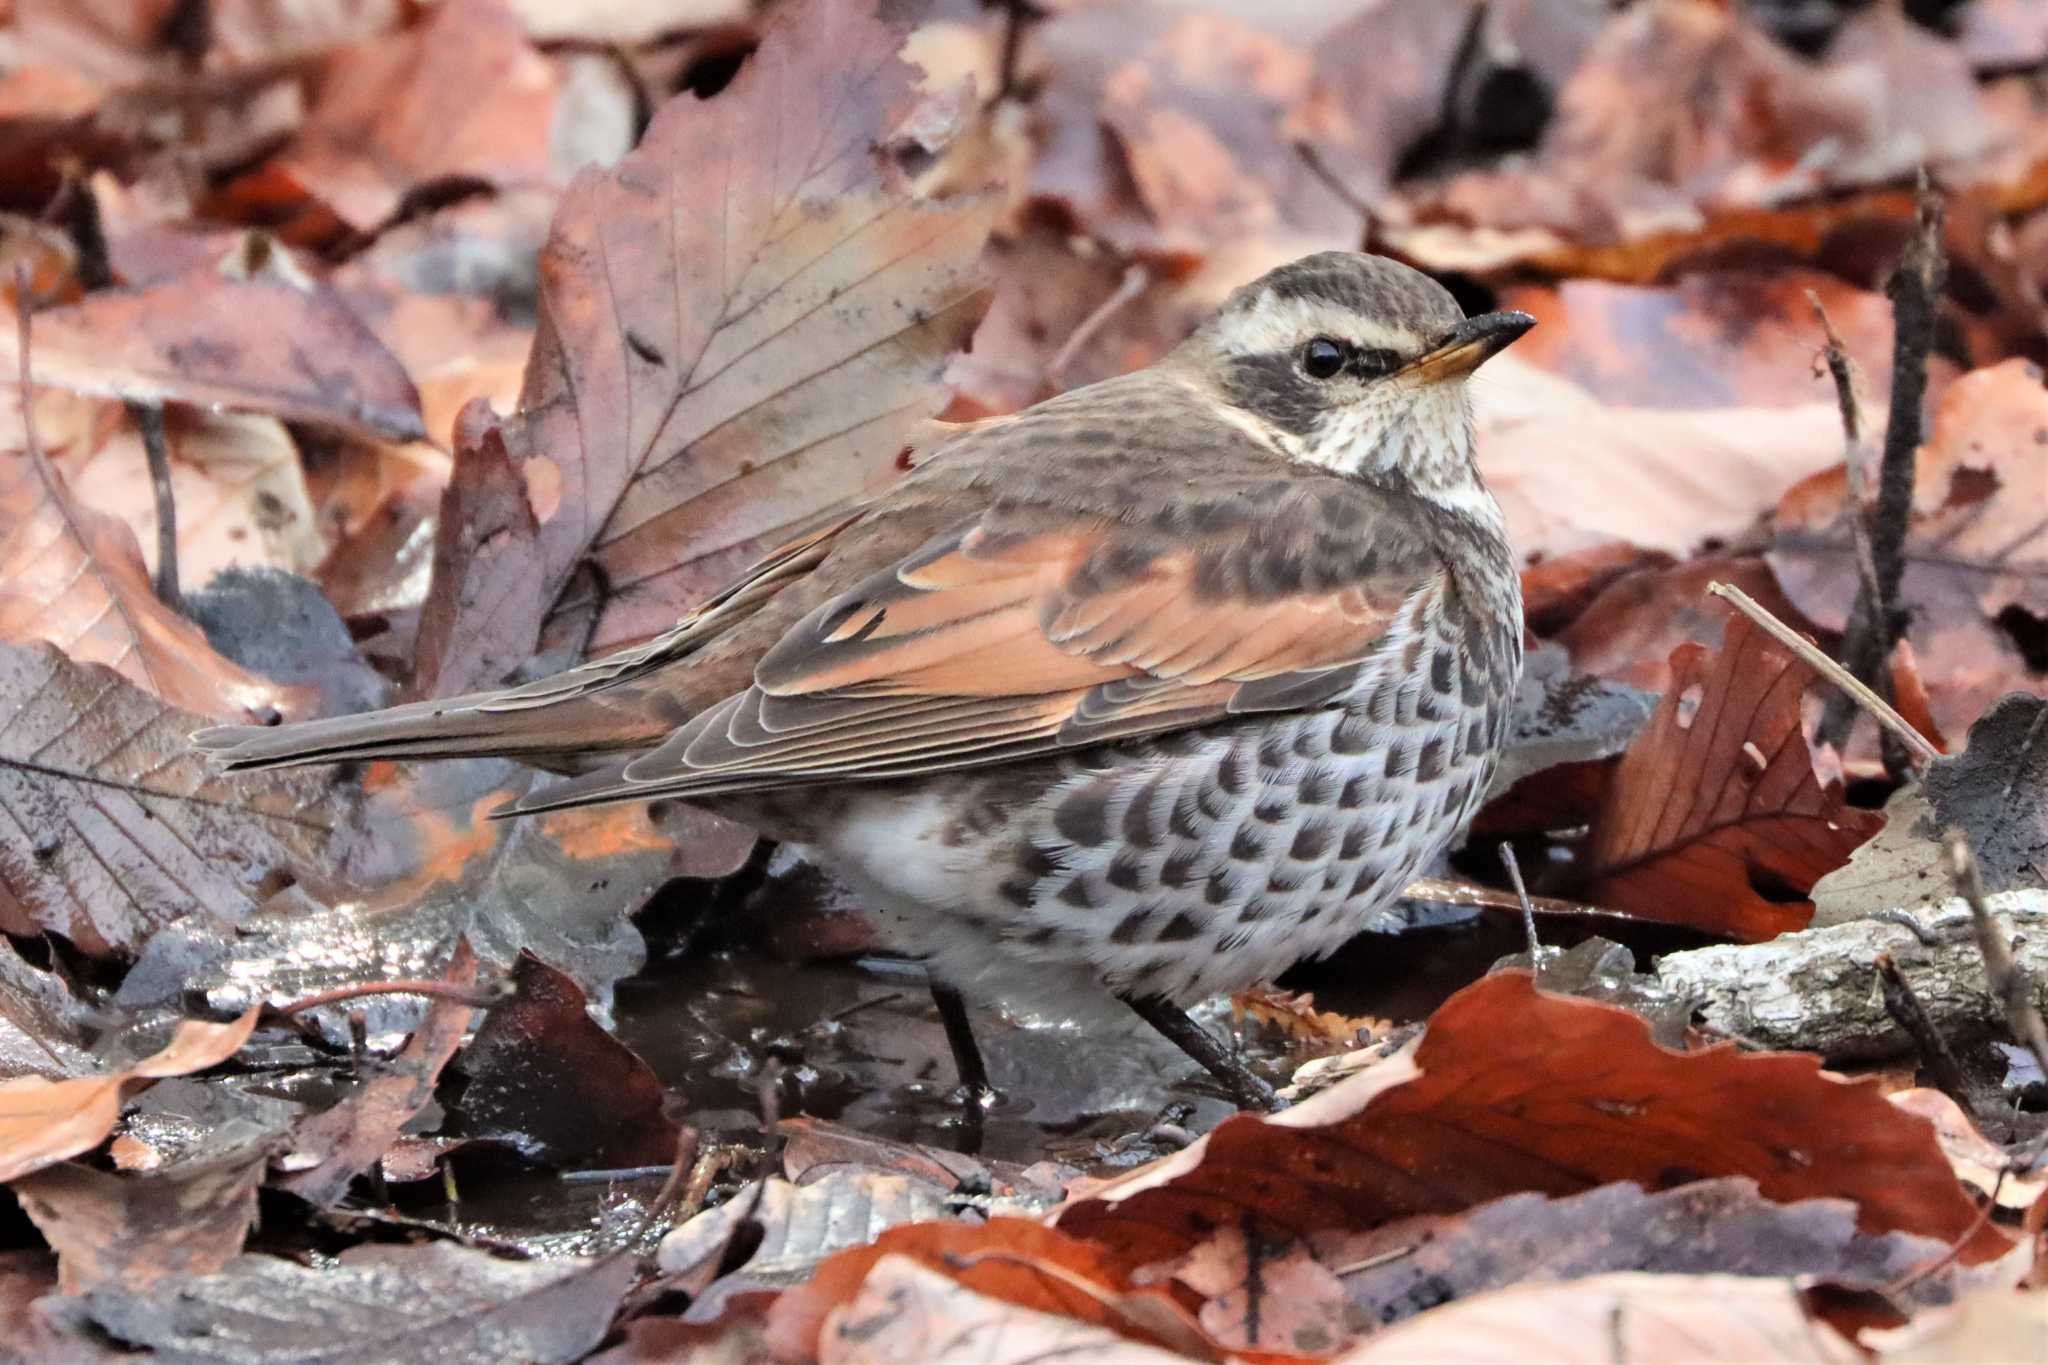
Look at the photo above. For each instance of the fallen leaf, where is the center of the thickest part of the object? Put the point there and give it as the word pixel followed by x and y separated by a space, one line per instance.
pixel 439 1302
pixel 1511 1090
pixel 1710 1227
pixel 331 1148
pixel 1628 632
pixel 907 1311
pixel 75 577
pixel 739 325
pixel 1703 1318
pixel 43 1026
pixel 1572 473
pixel 1015 1260
pixel 43 1121
pixel 116 827
pixel 542 1077
pixel 133 1230
pixel 462 96
pixel 1715 818
pixel 1976 551
pixel 250 332
pixel 1992 791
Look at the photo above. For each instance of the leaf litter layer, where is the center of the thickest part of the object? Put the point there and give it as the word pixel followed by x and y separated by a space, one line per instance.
pixel 748 320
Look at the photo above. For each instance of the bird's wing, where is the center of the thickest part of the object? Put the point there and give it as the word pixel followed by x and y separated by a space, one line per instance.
pixel 1035 628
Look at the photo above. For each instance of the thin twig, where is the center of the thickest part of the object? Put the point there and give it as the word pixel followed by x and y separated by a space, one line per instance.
pixel 1334 183
pixel 1955 1248
pixel 1876 622
pixel 149 420
pixel 1880 710
pixel 80 213
pixel 1848 376
pixel 2008 981
pixel 1444 891
pixel 476 997
pixel 1909 1014
pixel 1137 278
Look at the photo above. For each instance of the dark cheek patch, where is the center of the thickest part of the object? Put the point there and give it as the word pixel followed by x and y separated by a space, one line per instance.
pixel 1270 386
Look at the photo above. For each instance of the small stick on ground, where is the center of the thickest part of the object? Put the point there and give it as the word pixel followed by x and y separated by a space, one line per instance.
pixel 476 997
pixel 1848 376
pixel 1909 1014
pixel 1912 741
pixel 80 212
pixel 2009 983
pixel 1876 622
pixel 1137 279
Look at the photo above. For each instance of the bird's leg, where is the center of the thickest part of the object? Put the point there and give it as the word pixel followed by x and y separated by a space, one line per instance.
pixel 1246 1086
pixel 966 1052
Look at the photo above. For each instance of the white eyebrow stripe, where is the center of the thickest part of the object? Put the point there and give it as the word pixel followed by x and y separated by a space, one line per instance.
pixel 1276 324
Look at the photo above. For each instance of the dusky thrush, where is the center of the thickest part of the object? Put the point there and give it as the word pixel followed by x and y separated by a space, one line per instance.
pixel 1146 692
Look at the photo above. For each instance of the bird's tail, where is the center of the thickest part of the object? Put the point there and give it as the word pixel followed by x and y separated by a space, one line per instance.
pixel 454 727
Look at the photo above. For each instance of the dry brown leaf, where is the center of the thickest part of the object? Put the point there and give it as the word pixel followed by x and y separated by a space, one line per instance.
pixel 1976 578
pixel 1573 473
pixel 1512 1090
pixel 1715 819
pixel 43 1121
pixel 1014 1260
pixel 905 1310
pixel 250 332
pixel 740 323
pixel 1628 632
pixel 1710 1319
pixel 134 1229
pixel 75 577
pixel 331 1148
pixel 463 96
pixel 114 827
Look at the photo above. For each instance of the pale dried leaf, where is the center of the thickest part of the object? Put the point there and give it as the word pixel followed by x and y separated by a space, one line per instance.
pixel 43 1121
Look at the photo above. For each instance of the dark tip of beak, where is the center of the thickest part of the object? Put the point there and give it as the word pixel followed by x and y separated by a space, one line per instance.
pixel 1494 331
pixel 1470 344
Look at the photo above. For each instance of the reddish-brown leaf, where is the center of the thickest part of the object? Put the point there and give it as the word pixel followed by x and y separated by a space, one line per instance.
pixel 250 332
pixel 463 96
pixel 1514 1090
pixel 1715 819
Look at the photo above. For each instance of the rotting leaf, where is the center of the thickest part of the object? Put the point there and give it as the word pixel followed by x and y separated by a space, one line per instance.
pixel 542 1077
pixel 739 323
pixel 1995 791
pixel 133 1229
pixel 331 1148
pixel 438 1302
pixel 252 332
pixel 1708 1227
pixel 43 1121
pixel 114 826
pixel 1709 1319
pixel 1512 1090
pixel 1715 819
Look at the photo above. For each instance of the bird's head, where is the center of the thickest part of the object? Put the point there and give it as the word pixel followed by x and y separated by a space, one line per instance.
pixel 1355 363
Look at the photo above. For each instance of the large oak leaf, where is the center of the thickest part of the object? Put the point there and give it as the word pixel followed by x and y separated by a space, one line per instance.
pixel 740 325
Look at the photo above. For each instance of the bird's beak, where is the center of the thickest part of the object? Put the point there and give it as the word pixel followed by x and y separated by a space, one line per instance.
pixel 1470 344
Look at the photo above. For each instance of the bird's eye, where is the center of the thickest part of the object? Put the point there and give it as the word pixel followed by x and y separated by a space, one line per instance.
pixel 1322 358
pixel 1375 361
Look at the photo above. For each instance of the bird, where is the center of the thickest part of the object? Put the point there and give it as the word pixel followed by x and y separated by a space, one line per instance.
pixel 1141 694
